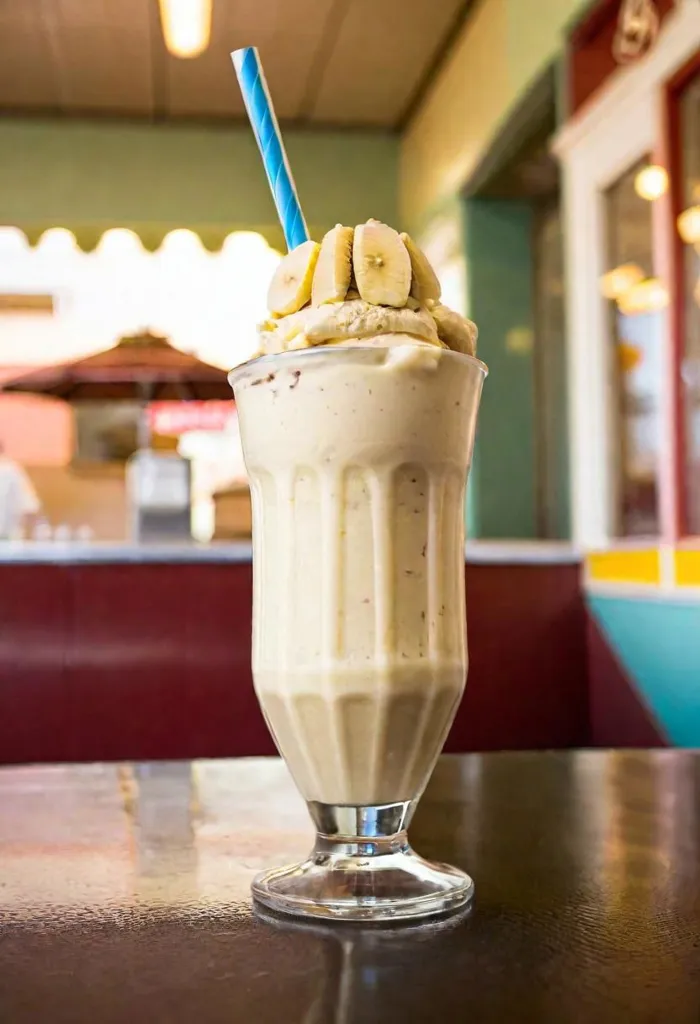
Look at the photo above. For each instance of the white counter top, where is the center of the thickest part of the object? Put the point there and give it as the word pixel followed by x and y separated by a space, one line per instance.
pixel 95 552
pixel 73 553
pixel 521 552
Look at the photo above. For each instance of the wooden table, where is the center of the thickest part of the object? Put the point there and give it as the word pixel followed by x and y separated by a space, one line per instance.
pixel 124 897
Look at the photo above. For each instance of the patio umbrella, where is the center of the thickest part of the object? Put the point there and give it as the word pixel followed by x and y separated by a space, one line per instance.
pixel 144 367
pixel 141 368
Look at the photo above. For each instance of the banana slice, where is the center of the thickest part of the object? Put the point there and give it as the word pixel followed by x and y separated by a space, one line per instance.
pixel 290 287
pixel 424 283
pixel 381 264
pixel 334 267
pixel 456 332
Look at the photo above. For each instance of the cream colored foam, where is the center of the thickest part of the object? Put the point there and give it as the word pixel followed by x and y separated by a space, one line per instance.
pixel 343 321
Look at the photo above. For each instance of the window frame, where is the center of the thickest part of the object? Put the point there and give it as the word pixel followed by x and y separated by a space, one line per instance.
pixel 673 145
pixel 624 121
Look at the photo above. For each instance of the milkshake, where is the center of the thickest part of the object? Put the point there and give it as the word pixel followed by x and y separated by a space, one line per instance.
pixel 357 423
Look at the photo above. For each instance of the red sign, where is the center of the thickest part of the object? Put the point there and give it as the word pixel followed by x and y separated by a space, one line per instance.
pixel 174 418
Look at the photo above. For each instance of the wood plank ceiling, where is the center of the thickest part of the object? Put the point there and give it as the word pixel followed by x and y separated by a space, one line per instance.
pixel 328 62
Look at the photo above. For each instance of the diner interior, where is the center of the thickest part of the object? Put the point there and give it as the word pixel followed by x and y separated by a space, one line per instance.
pixel 545 157
pixel 137 238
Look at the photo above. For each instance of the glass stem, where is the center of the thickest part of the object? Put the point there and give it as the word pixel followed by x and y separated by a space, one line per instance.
pixel 370 829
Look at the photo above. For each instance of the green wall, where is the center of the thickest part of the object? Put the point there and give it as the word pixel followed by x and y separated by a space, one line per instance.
pixel 92 175
pixel 502 496
pixel 536 31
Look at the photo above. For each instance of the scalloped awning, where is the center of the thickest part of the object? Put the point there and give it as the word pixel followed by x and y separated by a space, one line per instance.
pixel 152 236
pixel 138 366
pixel 120 287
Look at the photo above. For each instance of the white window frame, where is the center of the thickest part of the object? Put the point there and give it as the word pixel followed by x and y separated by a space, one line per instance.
pixel 622 123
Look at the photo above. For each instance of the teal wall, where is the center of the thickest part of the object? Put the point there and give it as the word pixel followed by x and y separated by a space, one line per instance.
pixel 92 175
pixel 498 235
pixel 658 644
pixel 551 404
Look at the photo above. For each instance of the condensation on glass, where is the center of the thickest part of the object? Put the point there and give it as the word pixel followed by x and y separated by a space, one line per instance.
pixel 637 319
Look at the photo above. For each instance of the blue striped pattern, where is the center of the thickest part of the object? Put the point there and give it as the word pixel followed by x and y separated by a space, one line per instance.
pixel 256 97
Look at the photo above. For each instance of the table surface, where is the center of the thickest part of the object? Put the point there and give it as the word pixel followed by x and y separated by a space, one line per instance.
pixel 124 897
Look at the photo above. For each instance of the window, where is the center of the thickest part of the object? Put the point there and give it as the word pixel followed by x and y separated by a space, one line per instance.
pixel 637 303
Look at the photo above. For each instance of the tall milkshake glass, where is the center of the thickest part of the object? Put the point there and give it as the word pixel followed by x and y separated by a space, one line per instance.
pixel 358 458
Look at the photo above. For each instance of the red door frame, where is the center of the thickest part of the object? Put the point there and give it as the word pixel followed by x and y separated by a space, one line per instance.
pixel 590 57
pixel 673 160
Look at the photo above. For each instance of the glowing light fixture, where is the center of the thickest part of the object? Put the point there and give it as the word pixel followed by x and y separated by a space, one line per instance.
pixel 620 279
pixel 652 182
pixel 649 296
pixel 689 225
pixel 186 26
pixel 629 356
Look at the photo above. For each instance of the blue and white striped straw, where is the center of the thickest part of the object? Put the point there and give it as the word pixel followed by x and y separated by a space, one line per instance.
pixel 256 97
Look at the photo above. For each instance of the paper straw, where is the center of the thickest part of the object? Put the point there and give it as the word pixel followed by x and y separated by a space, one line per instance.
pixel 256 97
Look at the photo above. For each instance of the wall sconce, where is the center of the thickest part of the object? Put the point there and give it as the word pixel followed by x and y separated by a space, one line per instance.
pixel 651 182
pixel 649 296
pixel 619 280
pixel 689 225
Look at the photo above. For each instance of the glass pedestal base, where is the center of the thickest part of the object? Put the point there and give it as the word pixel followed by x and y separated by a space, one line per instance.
pixel 362 869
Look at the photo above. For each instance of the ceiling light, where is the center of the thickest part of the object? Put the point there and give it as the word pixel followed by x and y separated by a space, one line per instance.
pixel 689 225
pixel 186 26
pixel 651 182
pixel 619 280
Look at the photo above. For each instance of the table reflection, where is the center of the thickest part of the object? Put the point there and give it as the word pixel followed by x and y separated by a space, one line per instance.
pixel 363 970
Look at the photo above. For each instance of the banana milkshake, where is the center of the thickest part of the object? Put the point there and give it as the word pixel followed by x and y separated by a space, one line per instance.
pixel 357 427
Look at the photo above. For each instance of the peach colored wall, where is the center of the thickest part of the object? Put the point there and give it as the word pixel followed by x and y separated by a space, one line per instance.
pixel 35 431
pixel 38 432
pixel 89 494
